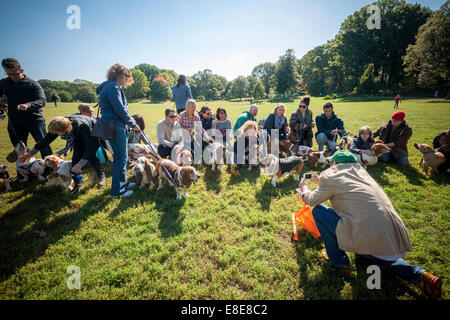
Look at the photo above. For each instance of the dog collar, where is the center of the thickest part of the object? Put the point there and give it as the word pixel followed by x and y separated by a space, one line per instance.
pixel 178 179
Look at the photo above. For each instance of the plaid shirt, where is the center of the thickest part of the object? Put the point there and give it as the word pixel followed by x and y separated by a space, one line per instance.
pixel 187 122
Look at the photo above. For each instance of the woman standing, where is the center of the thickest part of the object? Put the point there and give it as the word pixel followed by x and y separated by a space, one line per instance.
pixel 181 93
pixel 114 106
pixel 301 123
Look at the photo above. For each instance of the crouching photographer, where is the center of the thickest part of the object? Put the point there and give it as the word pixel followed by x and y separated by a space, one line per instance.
pixel 362 221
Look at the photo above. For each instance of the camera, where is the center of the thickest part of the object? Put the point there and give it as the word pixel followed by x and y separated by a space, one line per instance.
pixel 307 176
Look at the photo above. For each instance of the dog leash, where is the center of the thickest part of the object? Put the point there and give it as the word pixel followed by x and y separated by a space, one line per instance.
pixel 150 145
pixel 12 127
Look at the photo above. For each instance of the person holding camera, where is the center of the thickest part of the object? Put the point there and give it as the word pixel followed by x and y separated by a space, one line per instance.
pixel 362 221
pixel 26 99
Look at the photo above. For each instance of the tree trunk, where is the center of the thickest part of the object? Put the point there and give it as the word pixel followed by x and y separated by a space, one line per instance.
pixel 448 94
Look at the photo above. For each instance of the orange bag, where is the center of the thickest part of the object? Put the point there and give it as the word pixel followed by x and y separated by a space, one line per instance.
pixel 305 219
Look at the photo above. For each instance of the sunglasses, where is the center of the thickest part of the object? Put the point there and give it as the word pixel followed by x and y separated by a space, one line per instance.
pixel 172 117
pixel 208 113
pixel 303 107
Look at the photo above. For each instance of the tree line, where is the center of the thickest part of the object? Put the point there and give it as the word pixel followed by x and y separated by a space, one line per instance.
pixel 409 54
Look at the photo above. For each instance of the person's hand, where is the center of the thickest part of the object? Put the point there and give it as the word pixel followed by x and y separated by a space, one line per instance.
pixel 302 185
pixel 22 107
pixel 304 126
pixel 25 157
pixel 315 177
pixel 76 168
pixel 312 125
pixel 136 128
pixel 334 132
pixel 211 139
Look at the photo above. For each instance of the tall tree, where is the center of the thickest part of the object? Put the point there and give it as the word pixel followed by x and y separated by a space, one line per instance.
pixel 150 71
pixel 239 87
pixel 428 59
pixel 140 86
pixel 287 73
pixel 266 72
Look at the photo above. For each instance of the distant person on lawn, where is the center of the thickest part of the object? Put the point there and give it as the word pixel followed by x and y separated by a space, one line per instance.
pixel 181 93
pixel 55 100
pixel 397 100
pixel 362 221
pixel 329 126
pixel 26 99
pixel 244 117
pixel 395 134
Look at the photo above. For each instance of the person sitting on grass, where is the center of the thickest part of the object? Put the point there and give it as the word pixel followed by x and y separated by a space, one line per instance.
pixel 168 132
pixel 223 124
pixel 249 131
pixel 134 137
pixel 363 142
pixel 395 134
pixel 245 116
pixel 362 221
pixel 329 126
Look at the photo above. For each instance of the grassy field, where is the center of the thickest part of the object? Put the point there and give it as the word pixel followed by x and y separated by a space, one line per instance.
pixel 231 239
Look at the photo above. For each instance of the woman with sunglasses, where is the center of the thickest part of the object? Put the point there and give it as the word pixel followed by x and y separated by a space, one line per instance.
pixel 113 105
pixel 301 123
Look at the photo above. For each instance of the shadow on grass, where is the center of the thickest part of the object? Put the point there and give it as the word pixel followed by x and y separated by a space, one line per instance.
pixel 285 185
pixel 378 172
pixel 19 242
pixel 250 176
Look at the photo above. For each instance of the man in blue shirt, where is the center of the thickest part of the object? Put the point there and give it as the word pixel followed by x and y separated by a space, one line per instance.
pixel 329 126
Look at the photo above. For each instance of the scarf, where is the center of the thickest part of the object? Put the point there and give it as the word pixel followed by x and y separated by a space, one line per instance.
pixel 279 121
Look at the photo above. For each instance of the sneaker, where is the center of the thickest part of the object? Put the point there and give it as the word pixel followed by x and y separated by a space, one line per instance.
pixel 431 286
pixel 130 184
pixel 124 195
pixel 101 181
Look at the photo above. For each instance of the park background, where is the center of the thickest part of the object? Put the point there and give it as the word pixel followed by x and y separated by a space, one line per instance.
pixel 231 238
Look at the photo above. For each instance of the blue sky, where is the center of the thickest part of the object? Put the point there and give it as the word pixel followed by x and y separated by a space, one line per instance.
pixel 229 37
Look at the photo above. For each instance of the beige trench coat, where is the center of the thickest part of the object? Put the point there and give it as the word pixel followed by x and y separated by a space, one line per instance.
pixel 369 224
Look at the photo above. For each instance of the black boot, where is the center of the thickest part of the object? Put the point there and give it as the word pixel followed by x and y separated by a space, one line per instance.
pixel 78 179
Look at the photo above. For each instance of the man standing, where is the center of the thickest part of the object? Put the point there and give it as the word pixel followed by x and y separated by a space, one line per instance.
pixel 55 100
pixel 395 134
pixel 329 126
pixel 362 221
pixel 244 117
pixel 25 102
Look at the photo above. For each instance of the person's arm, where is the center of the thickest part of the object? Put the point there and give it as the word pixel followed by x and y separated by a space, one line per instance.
pixel 38 96
pixel 402 140
pixel 340 126
pixel 114 96
pixel 377 133
pixel 322 193
pixel 355 146
pixel 321 126
pixel 49 138
pixel 188 92
pixel 160 136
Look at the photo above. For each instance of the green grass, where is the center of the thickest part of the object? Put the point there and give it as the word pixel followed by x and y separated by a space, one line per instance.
pixel 229 240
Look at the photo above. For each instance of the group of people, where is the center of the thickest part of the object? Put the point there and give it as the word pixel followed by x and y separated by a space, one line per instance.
pixel 362 220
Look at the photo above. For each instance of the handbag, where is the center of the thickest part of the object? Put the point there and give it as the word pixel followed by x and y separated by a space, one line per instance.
pixel 103 128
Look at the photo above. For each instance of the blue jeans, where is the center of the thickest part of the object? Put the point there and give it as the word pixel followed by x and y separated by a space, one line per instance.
pixel 322 139
pixel 403 161
pixel 119 176
pixel 326 220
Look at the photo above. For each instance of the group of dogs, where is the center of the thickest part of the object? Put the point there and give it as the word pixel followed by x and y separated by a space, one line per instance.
pixel 148 167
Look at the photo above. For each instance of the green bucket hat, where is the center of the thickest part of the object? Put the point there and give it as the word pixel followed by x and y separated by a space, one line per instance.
pixel 343 156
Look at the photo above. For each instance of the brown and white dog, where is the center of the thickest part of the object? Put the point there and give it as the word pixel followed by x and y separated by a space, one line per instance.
pixel 183 177
pixel 183 157
pixel 32 167
pixel 377 149
pixel 137 150
pixel 431 158
pixel 320 157
pixel 144 171
pixel 282 167
pixel 60 176
pixel 4 178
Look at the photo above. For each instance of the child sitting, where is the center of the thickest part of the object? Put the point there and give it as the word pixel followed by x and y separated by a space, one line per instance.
pixel 363 142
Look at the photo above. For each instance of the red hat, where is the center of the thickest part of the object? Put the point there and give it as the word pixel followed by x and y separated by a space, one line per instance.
pixel 398 115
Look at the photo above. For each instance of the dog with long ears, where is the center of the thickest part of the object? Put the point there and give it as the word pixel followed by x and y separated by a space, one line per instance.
pixel 4 178
pixel 183 157
pixel 431 157
pixel 282 167
pixel 144 171
pixel 141 150
pixel 60 175
pixel 377 149
pixel 183 177
pixel 32 167
pixel 217 154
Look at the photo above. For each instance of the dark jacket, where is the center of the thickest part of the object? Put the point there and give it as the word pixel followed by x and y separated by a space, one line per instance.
pixel 270 124
pixel 113 104
pixel 399 137
pixel 81 132
pixel 206 123
pixel 359 145
pixel 25 91
pixel 326 125
pixel 297 121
